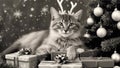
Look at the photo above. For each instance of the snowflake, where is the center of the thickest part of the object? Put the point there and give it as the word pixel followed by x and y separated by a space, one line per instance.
pixel 44 10
pixel 18 14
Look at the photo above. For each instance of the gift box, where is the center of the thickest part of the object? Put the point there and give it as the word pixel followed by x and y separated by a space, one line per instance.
pixel 12 59
pixel 53 64
pixel 95 62
pixel 27 61
pixel 21 61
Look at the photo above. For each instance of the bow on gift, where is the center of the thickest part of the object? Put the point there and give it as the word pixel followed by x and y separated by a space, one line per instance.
pixel 61 59
pixel 25 51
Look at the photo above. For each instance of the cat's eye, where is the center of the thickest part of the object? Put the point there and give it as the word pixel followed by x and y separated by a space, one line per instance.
pixel 61 23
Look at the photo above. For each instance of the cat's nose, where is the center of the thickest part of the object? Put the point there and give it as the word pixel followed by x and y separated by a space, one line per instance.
pixel 65 31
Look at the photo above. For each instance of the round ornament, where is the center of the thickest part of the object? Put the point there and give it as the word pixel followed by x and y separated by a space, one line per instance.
pixel 116 15
pixel 90 21
pixel 116 56
pixel 87 35
pixel 101 32
pixel 118 25
pixel 98 11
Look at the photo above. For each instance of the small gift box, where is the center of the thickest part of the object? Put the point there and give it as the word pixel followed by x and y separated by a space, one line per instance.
pixel 95 62
pixel 52 64
pixel 21 61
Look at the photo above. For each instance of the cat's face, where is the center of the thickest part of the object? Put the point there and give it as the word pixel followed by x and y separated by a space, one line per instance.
pixel 64 25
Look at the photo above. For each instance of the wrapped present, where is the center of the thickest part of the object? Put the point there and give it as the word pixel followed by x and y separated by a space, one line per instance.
pixel 95 62
pixel 53 64
pixel 27 61
pixel 21 61
pixel 12 59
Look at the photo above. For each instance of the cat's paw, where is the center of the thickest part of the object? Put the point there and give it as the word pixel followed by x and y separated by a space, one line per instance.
pixel 71 53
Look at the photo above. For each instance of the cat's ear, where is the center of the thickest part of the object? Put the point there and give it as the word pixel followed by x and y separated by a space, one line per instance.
pixel 78 14
pixel 54 13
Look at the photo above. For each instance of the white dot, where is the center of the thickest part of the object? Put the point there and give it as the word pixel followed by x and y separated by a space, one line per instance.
pixel 4 5
pixel 5 11
pixel 31 15
pixel 0 36
pixel 25 0
pixel 34 0
pixel 21 21
pixel 25 25
pixel 24 5
pixel 32 9
pixel 33 28
pixel 25 17
pixel 37 19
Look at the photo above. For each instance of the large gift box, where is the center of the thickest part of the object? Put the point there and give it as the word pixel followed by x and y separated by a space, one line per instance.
pixel 53 64
pixel 95 62
pixel 21 61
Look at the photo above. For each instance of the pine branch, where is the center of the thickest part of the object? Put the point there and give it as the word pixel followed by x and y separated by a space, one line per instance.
pixel 110 44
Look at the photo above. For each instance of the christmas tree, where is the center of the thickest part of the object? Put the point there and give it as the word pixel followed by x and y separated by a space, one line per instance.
pixel 103 25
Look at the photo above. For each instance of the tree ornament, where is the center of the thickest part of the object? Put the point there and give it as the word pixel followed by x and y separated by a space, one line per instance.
pixel 90 21
pixel 98 11
pixel 101 32
pixel 87 35
pixel 116 15
pixel 116 56
pixel 116 67
pixel 118 25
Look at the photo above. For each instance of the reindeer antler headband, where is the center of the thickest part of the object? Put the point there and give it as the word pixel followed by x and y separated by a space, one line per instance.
pixel 64 11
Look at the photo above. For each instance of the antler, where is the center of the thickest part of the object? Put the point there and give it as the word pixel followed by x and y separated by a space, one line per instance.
pixel 73 6
pixel 60 4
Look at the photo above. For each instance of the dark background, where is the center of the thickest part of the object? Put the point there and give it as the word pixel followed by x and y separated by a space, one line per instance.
pixel 33 15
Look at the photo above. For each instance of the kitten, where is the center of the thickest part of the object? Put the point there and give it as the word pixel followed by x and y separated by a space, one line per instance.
pixel 64 34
